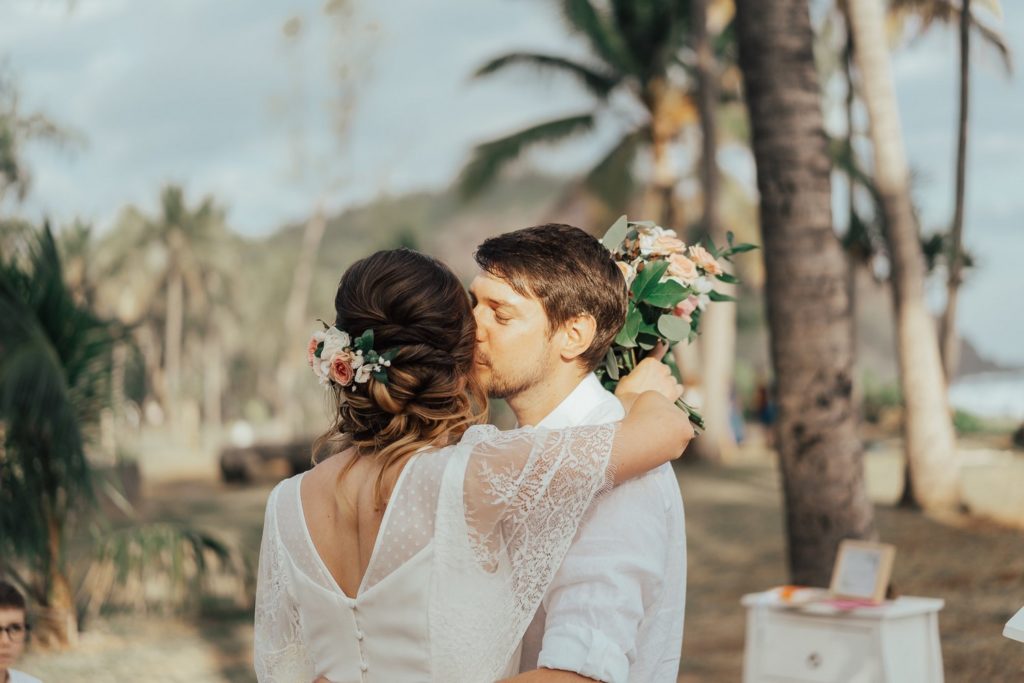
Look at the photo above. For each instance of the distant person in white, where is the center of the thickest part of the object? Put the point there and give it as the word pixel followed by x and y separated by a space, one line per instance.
pixel 13 631
pixel 548 303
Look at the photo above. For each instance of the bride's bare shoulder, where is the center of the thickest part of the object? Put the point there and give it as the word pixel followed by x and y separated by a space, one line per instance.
pixel 325 473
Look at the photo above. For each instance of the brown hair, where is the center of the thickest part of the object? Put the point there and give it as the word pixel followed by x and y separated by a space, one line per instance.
pixel 11 597
pixel 568 271
pixel 417 307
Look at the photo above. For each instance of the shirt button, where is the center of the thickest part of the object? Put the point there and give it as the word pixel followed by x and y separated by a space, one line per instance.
pixel 359 635
pixel 364 667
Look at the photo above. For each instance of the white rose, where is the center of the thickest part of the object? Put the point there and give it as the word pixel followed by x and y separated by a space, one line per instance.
pixel 334 342
pixel 702 285
pixel 325 369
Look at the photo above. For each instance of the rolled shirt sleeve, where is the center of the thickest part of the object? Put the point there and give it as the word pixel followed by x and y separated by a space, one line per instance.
pixel 608 581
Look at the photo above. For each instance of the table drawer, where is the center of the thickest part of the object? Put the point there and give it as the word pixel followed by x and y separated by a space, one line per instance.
pixel 816 651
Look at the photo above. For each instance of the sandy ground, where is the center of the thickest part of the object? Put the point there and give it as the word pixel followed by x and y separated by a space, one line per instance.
pixel 736 546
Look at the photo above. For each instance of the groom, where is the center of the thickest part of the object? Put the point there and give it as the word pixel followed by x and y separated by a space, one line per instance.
pixel 548 302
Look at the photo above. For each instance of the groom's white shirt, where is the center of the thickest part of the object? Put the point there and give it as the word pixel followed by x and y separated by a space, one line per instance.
pixel 614 612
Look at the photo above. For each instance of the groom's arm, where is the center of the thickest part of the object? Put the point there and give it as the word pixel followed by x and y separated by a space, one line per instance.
pixel 613 573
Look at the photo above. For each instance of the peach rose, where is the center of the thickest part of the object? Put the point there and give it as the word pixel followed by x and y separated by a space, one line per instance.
pixel 314 342
pixel 627 270
pixel 666 244
pixel 341 368
pixel 681 267
pixel 705 260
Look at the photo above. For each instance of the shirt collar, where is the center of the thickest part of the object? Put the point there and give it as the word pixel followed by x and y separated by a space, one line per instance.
pixel 586 397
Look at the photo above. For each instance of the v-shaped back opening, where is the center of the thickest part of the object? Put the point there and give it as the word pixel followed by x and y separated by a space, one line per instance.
pixel 326 574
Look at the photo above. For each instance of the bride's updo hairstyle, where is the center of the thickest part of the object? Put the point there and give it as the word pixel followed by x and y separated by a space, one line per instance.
pixel 418 308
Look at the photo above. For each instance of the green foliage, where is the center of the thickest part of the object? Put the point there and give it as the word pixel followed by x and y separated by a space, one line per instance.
pixel 967 423
pixel 155 566
pixel 879 398
pixel 55 356
pixel 637 47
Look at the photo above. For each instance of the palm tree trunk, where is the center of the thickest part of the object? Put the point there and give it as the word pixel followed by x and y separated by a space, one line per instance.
pixel 212 381
pixel 947 334
pixel 173 342
pixel 61 619
pixel 718 325
pixel 927 427
pixel 808 306
pixel 295 310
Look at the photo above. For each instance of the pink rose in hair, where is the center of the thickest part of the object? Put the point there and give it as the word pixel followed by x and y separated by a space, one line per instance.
pixel 341 368
pixel 314 342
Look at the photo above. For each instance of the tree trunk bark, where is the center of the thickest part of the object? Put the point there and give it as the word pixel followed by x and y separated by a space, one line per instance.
pixel 295 311
pixel 928 431
pixel 718 324
pixel 173 342
pixel 809 314
pixel 947 334
pixel 61 620
pixel 213 381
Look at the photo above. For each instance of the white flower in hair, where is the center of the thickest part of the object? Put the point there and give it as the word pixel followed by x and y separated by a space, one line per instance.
pixel 364 372
pixel 335 341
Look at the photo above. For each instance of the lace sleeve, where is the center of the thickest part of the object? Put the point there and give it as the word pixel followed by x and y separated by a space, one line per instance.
pixel 279 653
pixel 507 514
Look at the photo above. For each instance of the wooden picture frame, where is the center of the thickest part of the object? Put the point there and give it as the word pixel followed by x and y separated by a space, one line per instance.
pixel 862 570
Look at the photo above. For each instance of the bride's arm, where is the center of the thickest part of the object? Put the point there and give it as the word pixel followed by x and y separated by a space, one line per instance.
pixel 548 676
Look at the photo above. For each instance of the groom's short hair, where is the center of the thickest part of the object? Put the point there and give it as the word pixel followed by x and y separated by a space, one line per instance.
pixel 568 271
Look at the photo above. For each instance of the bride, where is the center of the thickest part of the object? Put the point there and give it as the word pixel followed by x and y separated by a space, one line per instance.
pixel 420 550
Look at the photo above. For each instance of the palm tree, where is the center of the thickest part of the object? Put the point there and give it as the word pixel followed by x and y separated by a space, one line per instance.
pixel 927 426
pixel 948 338
pixel 16 128
pixel 638 51
pixel 635 50
pixel 188 242
pixel 54 378
pixel 808 307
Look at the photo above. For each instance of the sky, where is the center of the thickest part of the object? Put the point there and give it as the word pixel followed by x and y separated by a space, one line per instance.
pixel 214 96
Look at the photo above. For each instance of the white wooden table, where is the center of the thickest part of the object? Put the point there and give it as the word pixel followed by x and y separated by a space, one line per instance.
pixel 895 642
pixel 1015 626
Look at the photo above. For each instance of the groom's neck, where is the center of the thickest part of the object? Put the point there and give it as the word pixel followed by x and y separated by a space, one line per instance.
pixel 532 405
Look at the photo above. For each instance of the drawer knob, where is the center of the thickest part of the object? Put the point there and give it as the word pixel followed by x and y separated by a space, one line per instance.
pixel 813 660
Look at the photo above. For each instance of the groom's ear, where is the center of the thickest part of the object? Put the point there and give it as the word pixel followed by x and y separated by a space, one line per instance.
pixel 578 335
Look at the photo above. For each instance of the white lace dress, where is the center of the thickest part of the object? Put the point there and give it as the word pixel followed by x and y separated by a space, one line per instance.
pixel 468 545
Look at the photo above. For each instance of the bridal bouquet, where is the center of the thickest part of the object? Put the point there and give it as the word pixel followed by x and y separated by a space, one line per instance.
pixel 670 286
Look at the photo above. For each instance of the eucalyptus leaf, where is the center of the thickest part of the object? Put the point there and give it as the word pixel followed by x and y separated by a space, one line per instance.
pixel 613 238
pixel 611 364
pixel 627 335
pixel 673 328
pixel 718 296
pixel 741 248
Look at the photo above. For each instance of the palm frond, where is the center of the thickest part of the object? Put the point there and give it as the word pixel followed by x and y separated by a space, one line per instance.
pixel 599 83
pixel 930 12
pixel 157 565
pixel 489 158
pixel 612 178
pixel 54 374
pixel 583 18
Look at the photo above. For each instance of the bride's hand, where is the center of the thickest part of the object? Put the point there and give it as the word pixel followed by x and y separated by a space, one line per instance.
pixel 321 680
pixel 650 374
